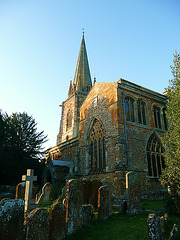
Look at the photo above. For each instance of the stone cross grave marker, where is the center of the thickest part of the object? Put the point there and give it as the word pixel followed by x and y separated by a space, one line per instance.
pixel 29 178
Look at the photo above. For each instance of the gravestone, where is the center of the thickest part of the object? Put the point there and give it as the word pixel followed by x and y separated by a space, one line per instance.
pixel 58 225
pixel 73 205
pixel 90 192
pixel 133 192
pixel 11 219
pixel 87 213
pixel 20 190
pixel 37 225
pixel 44 198
pixel 29 178
pixel 154 227
pixel 105 208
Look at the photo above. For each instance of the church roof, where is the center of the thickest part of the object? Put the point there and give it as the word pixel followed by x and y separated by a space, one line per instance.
pixel 82 79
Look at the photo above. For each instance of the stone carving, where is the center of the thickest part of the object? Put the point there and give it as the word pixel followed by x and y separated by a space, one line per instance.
pixel 133 192
pixel 37 224
pixel 104 203
pixel 73 205
pixel 11 219
pixel 44 198
pixel 58 225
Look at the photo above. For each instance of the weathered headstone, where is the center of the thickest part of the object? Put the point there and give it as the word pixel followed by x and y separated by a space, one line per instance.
pixel 11 219
pixel 105 208
pixel 58 225
pixel 37 225
pixel 20 190
pixel 44 198
pixel 154 227
pixel 133 192
pixel 29 178
pixel 73 205
pixel 90 192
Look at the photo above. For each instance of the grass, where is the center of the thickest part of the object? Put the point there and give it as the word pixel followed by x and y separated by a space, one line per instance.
pixel 123 227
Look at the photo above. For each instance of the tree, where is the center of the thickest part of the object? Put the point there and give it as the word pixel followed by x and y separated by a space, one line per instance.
pixel 20 147
pixel 171 140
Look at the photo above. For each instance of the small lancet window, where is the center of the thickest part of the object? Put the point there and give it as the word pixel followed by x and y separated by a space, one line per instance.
pixel 141 112
pixel 129 108
pixel 97 147
pixel 157 116
pixel 155 157
pixel 69 120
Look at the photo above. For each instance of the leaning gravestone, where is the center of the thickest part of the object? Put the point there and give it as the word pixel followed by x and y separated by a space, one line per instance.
pixel 73 205
pixel 37 225
pixel 58 226
pixel 11 219
pixel 29 178
pixel 44 198
pixel 104 203
pixel 133 192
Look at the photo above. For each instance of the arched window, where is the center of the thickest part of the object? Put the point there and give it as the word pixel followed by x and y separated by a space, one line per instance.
pixel 129 108
pixel 165 119
pixel 155 157
pixel 157 116
pixel 69 120
pixel 141 112
pixel 97 147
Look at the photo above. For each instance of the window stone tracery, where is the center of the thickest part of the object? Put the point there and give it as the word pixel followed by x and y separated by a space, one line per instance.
pixel 97 147
pixel 155 157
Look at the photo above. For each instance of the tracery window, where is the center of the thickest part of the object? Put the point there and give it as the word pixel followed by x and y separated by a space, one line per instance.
pixel 129 108
pixel 69 120
pixel 155 157
pixel 141 112
pixel 97 147
pixel 157 116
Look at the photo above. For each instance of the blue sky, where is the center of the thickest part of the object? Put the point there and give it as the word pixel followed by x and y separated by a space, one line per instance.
pixel 40 41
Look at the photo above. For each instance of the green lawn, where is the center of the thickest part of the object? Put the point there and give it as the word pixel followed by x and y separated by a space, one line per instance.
pixel 122 227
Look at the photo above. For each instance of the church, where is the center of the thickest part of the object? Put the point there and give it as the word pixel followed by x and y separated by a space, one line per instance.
pixel 106 130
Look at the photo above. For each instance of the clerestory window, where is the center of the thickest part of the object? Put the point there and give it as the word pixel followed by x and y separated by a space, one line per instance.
pixel 97 147
pixel 157 116
pixel 141 112
pixel 129 108
pixel 155 157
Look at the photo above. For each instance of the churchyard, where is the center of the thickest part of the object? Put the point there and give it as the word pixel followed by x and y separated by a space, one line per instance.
pixel 83 210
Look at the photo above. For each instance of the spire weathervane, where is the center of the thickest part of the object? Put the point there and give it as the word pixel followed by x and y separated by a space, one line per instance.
pixel 83 31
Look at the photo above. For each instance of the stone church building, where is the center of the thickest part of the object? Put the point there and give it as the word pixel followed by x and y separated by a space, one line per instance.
pixel 106 130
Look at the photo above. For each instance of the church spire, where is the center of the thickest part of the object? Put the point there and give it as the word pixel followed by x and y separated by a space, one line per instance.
pixel 82 79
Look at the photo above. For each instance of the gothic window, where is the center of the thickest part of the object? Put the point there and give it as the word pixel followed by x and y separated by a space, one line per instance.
pixel 129 108
pixel 155 157
pixel 157 116
pixel 141 112
pixel 69 120
pixel 97 147
pixel 165 119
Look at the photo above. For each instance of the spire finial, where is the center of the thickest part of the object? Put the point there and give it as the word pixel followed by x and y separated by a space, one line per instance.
pixel 83 31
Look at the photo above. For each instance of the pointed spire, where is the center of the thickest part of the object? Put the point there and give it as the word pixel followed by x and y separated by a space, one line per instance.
pixel 82 79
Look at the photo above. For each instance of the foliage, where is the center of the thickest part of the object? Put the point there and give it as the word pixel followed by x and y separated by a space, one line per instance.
pixel 171 140
pixel 20 147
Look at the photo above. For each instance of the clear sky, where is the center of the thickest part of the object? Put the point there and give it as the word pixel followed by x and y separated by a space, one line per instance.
pixel 40 41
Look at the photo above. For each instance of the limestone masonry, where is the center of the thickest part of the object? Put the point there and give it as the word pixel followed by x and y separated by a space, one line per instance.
pixel 108 129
